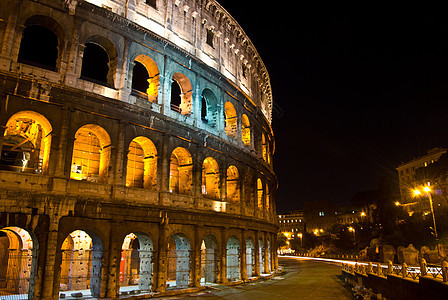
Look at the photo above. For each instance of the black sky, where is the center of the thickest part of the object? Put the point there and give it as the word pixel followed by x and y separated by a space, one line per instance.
pixel 357 91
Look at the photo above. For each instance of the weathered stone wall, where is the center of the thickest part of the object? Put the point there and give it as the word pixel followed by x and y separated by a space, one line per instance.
pixel 51 204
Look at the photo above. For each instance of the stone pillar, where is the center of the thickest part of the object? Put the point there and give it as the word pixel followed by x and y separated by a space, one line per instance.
pixel 197 176
pixel 114 258
pixel 243 255
pixel 256 272
pixel 163 173
pixel 61 152
pixel 196 258
pixel 266 255
pixel 223 258
pixel 161 268
pixel 8 36
pixel 50 288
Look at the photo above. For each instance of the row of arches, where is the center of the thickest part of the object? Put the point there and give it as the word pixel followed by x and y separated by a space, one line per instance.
pixel 81 269
pixel 26 148
pixel 41 46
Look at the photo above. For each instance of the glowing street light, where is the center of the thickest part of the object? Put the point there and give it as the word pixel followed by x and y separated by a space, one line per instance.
pixel 427 191
pixel 351 229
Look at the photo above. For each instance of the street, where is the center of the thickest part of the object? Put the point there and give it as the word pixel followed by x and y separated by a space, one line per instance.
pixel 304 279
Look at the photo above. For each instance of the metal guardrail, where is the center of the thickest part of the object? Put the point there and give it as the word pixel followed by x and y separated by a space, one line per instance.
pixel 405 271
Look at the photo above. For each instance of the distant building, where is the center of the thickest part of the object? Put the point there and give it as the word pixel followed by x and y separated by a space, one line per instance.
pixel 292 222
pixel 407 174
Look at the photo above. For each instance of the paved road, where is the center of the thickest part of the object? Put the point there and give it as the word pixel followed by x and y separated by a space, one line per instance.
pixel 304 279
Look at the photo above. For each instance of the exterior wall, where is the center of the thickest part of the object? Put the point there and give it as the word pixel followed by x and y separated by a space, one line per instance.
pixel 50 205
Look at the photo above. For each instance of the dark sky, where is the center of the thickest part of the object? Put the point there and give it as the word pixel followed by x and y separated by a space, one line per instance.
pixel 357 91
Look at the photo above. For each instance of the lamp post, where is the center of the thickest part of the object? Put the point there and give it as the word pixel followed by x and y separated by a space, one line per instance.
pixel 300 235
pixel 427 191
pixel 351 229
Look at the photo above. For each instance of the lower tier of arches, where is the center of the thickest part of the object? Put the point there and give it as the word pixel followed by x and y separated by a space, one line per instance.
pixel 111 253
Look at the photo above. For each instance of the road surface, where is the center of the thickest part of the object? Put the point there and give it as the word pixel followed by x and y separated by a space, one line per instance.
pixel 304 279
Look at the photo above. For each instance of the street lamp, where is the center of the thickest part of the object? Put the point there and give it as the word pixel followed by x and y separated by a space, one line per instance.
pixel 427 191
pixel 300 235
pixel 351 229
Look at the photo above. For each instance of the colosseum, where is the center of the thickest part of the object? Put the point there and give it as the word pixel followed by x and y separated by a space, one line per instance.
pixel 136 149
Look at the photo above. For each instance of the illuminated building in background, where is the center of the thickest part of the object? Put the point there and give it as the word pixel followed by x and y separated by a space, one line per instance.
pixel 407 177
pixel 136 149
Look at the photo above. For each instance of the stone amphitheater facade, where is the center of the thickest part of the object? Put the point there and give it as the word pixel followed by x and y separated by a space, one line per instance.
pixel 136 149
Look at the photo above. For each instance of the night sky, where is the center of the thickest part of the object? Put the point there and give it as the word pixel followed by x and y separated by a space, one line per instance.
pixel 357 91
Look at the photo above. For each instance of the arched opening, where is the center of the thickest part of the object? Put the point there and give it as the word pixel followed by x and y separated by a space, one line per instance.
pixel 179 249
pixel 140 78
pixel 95 64
pixel 145 78
pixel 91 154
pixel 181 94
pixel 210 178
pixel 233 259
pixel 233 184
pixel 231 120
pixel 81 265
pixel 181 171
pixel 39 47
pixel 250 257
pixel 141 168
pixel 18 261
pixel 264 147
pixel 209 107
pixel 261 256
pixel 136 264
pixel 26 145
pixel 245 130
pixel 268 198
pixel 209 259
pixel 259 193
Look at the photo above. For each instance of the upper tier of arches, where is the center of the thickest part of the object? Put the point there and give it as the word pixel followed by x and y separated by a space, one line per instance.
pixel 151 74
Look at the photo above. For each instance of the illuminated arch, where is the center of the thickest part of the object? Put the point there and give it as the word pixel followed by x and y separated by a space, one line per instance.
pixel 18 262
pixel 268 198
pixel 245 130
pixel 91 154
pixel 179 261
pixel 264 148
pixel 181 94
pixel 26 145
pixel 209 259
pixel 231 120
pixel 81 264
pixel 210 178
pixel 145 77
pixel 209 107
pixel 141 170
pixel 181 171
pixel 233 184
pixel 250 257
pixel 233 259
pixel 136 264
pixel 260 193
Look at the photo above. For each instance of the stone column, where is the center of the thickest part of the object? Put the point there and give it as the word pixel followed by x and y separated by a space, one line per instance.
pixel 163 172
pixel 196 258
pixel 223 258
pixel 256 272
pixel 114 259
pixel 53 257
pixel 161 262
pixel 243 255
